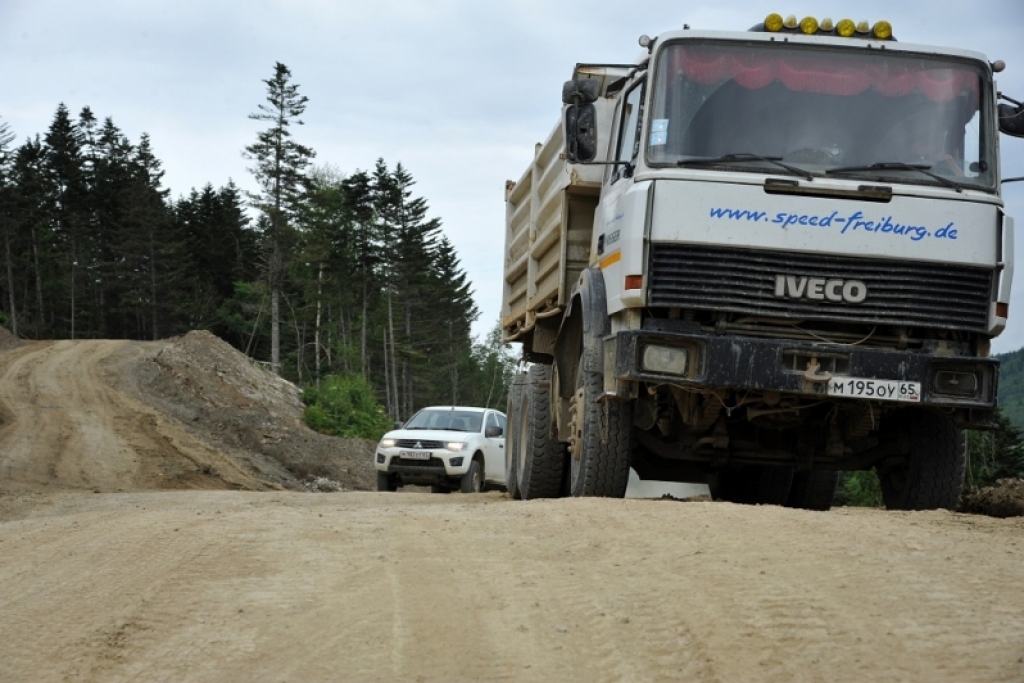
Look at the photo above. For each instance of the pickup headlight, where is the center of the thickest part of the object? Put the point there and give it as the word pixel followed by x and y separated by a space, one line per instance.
pixel 456 446
pixel 387 443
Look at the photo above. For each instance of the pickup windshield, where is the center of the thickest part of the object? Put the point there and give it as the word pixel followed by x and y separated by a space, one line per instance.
pixel 873 114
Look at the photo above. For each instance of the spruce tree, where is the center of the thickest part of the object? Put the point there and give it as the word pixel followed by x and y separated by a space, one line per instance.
pixel 280 165
pixel 67 204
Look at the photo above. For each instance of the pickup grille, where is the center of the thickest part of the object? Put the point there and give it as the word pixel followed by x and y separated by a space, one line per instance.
pixel 418 444
pixel 912 293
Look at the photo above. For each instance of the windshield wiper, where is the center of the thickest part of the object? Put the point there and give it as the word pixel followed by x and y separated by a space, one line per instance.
pixel 897 166
pixel 744 156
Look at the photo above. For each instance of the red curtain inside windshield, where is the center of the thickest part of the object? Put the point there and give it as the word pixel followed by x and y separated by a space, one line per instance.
pixel 824 74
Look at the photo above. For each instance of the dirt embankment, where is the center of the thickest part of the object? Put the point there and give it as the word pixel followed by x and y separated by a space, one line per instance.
pixel 189 412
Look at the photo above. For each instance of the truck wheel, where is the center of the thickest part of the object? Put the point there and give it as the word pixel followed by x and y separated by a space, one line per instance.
pixel 600 442
pixel 752 485
pixel 386 482
pixel 515 394
pixel 473 480
pixel 813 490
pixel 933 475
pixel 540 460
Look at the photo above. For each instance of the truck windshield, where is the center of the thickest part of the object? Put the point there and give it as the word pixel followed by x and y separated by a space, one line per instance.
pixel 871 114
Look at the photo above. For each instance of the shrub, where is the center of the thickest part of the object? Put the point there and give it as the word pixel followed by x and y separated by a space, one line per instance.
pixel 860 489
pixel 344 405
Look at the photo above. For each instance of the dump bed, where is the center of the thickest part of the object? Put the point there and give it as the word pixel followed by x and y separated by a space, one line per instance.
pixel 549 217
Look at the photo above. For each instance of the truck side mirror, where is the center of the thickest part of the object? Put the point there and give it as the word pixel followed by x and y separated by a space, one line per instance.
pixel 1011 120
pixel 580 91
pixel 580 132
pixel 493 432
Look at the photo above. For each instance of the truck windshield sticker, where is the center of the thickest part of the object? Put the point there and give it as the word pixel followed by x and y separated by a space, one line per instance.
pixel 659 131
pixel 848 224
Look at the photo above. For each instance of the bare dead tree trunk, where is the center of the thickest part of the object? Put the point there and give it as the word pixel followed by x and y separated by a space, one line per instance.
pixel 316 331
pixel 10 284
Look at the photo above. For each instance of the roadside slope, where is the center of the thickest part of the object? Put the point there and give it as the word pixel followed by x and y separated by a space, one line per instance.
pixel 183 413
pixel 66 427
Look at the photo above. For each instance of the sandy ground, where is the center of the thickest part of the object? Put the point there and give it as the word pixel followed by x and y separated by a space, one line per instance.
pixel 123 557
pixel 241 586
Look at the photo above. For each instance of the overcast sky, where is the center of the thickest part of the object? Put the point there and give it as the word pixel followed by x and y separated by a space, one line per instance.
pixel 458 91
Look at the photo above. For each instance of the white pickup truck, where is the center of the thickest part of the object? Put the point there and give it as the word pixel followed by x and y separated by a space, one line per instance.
pixel 446 448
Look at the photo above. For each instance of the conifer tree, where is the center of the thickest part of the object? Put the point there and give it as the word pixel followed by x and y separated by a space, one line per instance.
pixel 280 165
pixel 67 196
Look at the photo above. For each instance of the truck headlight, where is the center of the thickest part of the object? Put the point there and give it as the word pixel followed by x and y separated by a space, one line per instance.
pixel 387 443
pixel 456 446
pixel 665 360
pixel 956 383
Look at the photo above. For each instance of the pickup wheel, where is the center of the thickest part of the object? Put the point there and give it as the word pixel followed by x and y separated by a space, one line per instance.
pixel 386 482
pixel 813 490
pixel 540 459
pixel 600 443
pixel 473 480
pixel 515 395
pixel 752 485
pixel 932 474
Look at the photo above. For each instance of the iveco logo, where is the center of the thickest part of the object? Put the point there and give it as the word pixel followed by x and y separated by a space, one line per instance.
pixel 820 289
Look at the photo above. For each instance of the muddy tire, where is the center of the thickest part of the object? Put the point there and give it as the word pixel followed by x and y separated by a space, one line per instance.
pixel 515 395
pixel 752 485
pixel 386 482
pixel 932 476
pixel 813 490
pixel 540 460
pixel 473 480
pixel 599 451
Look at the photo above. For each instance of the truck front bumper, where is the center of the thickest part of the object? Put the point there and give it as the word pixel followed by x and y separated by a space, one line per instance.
pixel 787 366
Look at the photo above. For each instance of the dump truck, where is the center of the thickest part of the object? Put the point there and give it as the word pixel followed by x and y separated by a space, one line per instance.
pixel 758 259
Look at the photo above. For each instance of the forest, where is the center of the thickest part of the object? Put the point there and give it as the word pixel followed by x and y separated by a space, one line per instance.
pixel 339 281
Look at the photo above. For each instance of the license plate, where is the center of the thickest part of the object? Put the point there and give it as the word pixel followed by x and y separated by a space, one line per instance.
pixel 876 389
pixel 414 455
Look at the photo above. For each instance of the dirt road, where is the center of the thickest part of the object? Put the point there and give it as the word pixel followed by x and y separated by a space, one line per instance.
pixel 238 586
pixel 138 582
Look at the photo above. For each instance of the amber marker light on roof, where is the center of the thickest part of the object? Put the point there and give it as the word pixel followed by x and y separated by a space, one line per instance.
pixel 809 25
pixel 790 21
pixel 882 30
pixel 773 22
pixel 846 28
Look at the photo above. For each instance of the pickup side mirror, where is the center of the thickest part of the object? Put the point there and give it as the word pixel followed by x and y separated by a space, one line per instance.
pixel 398 424
pixel 1011 120
pixel 493 432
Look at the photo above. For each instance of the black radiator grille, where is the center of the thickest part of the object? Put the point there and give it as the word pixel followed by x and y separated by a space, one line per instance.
pixel 912 293
pixel 417 444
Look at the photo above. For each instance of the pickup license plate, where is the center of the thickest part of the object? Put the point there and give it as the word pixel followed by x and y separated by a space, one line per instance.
pixel 414 455
pixel 876 389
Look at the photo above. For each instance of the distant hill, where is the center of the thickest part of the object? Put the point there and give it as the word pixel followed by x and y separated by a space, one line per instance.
pixel 1011 386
